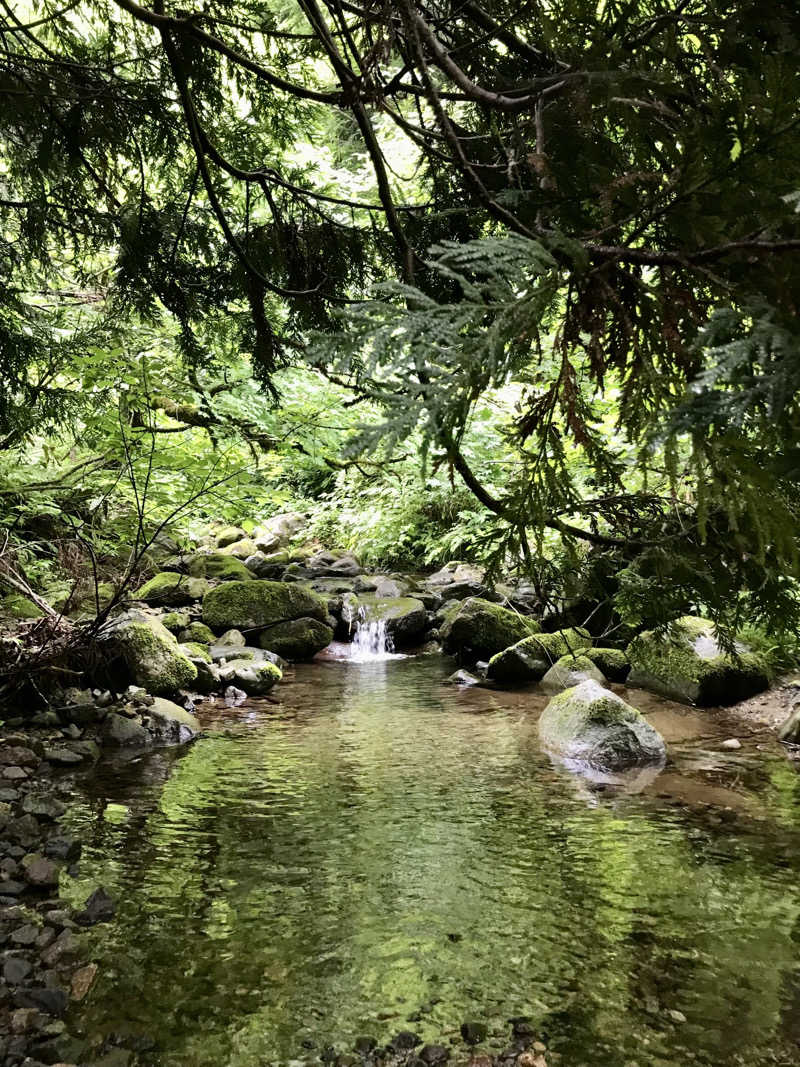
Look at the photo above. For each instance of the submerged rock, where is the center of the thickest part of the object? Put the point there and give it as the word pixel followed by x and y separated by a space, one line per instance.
pixel 689 665
pixel 462 678
pixel 152 656
pixel 591 725
pixel 297 639
pixel 479 628
pixel 569 671
pixel 256 605
pixel 531 658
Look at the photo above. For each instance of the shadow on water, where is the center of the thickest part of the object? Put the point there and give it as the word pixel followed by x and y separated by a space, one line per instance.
pixel 379 851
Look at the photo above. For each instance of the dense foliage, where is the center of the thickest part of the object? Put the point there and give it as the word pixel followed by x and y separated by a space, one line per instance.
pixel 516 283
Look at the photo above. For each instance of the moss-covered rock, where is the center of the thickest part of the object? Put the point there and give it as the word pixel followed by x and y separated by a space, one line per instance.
pixel 405 616
pixel 195 651
pixel 689 665
pixel 219 566
pixel 229 536
pixel 297 639
pixel 258 604
pixel 153 657
pixel 171 589
pixel 198 632
pixel 175 621
pixel 530 659
pixel 240 549
pixel 253 677
pixel 570 671
pixel 19 608
pixel 478 628
pixel 613 662
pixel 170 722
pixel 591 726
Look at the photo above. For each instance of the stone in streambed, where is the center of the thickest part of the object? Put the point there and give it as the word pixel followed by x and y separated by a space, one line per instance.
pixel 120 730
pixel 570 671
pixel 592 726
pixel 99 908
pixel 220 566
pixel 170 722
pixel 257 605
pixel 172 589
pixel 298 639
pixel 43 806
pixel 613 662
pixel 687 664
pixel 152 656
pixel 531 658
pixel 254 677
pixel 481 628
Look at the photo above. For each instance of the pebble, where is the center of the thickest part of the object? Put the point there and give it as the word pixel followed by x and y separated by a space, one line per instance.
pixel 41 872
pixel 14 774
pixel 676 1016
pixel 731 743
pixel 83 980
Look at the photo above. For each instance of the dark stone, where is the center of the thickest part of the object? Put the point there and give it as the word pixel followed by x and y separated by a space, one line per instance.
pixel 521 1026
pixel 52 1001
pixel 16 970
pixel 432 1054
pixel 25 935
pixel 63 848
pixel 62 755
pixel 41 873
pixel 363 1045
pixel 406 1039
pixel 99 908
pixel 473 1033
pixel 43 806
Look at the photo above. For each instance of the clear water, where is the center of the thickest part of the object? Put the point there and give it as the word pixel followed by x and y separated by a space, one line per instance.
pixel 380 852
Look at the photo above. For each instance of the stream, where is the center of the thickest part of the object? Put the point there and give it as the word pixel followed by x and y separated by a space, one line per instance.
pixel 372 851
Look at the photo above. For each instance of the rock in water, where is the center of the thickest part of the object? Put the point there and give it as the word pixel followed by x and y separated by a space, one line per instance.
pixel 592 726
pixel 481 629
pixel 405 616
pixel 570 671
pixel 298 639
pixel 689 665
pixel 613 662
pixel 171 722
pixel 153 656
pixel 256 605
pixel 530 659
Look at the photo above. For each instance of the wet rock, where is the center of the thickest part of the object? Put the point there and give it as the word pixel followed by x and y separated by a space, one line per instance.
pixel 364 1045
pixel 480 629
pixel 14 774
pixel 170 722
pixel 52 1001
pixel 24 935
pixel 406 618
pixel 531 658
pixel 41 873
pixel 473 1032
pixel 569 671
pixel 250 677
pixel 462 678
pixel 66 946
pixel 689 665
pixel 591 725
pixel 43 806
pixel 11 888
pixel 99 908
pixel 405 1040
pixel 17 755
pixel 119 730
pixel 24 829
pixel 62 756
pixel 298 639
pixel 16 969
pixel 434 1054
pixel 82 981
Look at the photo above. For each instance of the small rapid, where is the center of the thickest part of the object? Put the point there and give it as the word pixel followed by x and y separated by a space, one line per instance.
pixel 371 643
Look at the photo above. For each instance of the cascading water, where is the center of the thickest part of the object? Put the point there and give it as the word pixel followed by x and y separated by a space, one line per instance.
pixel 371 641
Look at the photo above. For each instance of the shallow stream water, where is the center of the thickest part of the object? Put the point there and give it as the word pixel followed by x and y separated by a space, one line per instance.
pixel 370 851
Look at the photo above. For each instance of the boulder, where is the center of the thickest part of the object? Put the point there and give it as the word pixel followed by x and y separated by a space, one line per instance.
pixel 278 531
pixel 171 722
pixel 255 678
pixel 297 639
pixel 591 726
pixel 257 605
pixel 197 632
pixel 570 671
pixel 175 621
pixel 121 730
pixel 531 658
pixel 454 572
pixel 480 629
pixel 219 566
pixel 240 549
pixel 229 535
pixel 195 651
pixel 688 665
pixel 172 589
pixel 613 662
pixel 267 565
pixel 152 656
pixel 391 588
pixel 405 616
pixel 789 729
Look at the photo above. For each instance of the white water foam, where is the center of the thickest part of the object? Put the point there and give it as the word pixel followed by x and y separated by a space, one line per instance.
pixel 371 643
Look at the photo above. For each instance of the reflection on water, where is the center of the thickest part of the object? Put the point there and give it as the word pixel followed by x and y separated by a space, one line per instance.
pixel 380 852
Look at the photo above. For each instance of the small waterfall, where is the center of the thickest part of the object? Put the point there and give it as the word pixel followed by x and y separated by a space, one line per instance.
pixel 370 642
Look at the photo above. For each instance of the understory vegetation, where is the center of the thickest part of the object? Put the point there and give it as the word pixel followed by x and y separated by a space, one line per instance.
pixel 510 284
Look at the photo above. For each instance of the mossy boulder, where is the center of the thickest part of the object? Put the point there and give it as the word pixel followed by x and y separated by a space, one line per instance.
pixel 198 632
pixel 153 657
pixel 591 726
pixel 531 658
pixel 687 664
pixel 613 662
pixel 229 536
pixel 570 671
pixel 219 566
pixel 19 608
pixel 405 616
pixel 479 629
pixel 240 549
pixel 253 677
pixel 175 621
pixel 256 605
pixel 297 639
pixel 195 651
pixel 171 589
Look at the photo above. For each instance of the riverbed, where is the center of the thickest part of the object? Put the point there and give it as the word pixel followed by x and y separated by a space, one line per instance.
pixel 369 851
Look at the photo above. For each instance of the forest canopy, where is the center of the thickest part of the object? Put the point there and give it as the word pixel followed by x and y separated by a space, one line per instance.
pixel 511 282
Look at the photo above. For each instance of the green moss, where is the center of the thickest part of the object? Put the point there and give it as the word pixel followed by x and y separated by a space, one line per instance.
pixel 254 678
pixel 483 628
pixel 614 663
pixel 258 604
pixel 153 657
pixel 216 565
pixel 688 665
pixel 194 650
pixel 570 670
pixel 173 589
pixel 298 639
pixel 530 659
pixel 229 535
pixel 19 608
pixel 199 632
pixel 175 621
pixel 240 549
